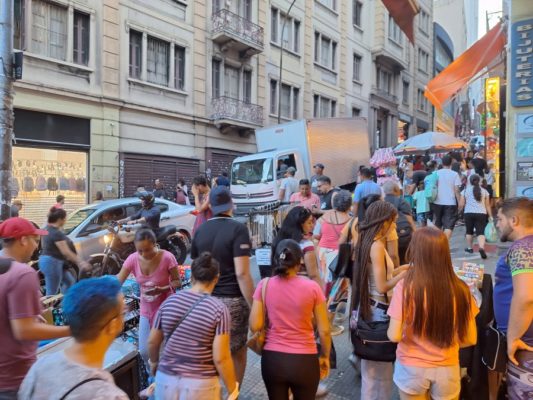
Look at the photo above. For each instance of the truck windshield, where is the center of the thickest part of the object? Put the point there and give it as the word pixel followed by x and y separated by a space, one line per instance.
pixel 252 171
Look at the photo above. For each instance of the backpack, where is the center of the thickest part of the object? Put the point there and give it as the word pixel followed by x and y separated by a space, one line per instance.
pixel 403 227
pixel 430 186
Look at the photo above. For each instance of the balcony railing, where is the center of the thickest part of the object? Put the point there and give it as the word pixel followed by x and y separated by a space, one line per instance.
pixel 227 23
pixel 238 111
pixel 384 94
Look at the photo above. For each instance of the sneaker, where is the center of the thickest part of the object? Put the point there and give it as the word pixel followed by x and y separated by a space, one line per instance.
pixel 336 330
pixel 469 250
pixel 482 253
pixel 322 390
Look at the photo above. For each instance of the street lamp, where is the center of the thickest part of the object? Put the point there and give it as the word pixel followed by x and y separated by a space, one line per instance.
pixel 281 59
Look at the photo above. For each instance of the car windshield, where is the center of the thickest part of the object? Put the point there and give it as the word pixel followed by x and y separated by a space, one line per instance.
pixel 76 218
pixel 252 171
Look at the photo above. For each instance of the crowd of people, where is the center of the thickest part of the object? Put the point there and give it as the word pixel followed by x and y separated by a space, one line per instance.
pixel 396 282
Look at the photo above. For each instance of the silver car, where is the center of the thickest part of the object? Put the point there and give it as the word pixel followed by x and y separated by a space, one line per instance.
pixel 86 226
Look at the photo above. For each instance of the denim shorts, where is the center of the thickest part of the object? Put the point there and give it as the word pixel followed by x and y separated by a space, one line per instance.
pixel 442 383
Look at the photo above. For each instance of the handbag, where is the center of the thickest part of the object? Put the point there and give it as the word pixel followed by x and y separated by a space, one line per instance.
pixel 344 257
pixel 369 338
pixel 491 234
pixel 495 350
pixel 256 342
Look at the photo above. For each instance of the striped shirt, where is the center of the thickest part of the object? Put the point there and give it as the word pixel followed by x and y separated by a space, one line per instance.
pixel 189 351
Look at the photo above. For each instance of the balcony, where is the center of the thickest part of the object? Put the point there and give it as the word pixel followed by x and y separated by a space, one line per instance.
pixel 230 30
pixel 384 95
pixel 234 113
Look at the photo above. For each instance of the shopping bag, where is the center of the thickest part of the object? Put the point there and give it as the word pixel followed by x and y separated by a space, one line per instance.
pixel 491 234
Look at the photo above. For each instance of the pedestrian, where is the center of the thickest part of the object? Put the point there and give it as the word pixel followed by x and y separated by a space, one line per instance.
pixel 374 278
pixel 16 208
pixel 57 251
pixel 305 197
pixel 99 197
pixel 200 190
pixel 432 314
pixel 405 224
pixel 229 243
pixel 328 231
pixel 223 180
pixel 298 225
pixel 60 201
pixel 289 360
pixel 421 203
pixel 430 186
pixel 476 204
pixel 156 272
pixel 194 328
pixel 318 169
pixel 181 195
pixel 94 308
pixel 445 204
pixel 513 297
pixel 288 186
pixel 365 188
pixel 20 307
pixel 139 191
pixel 326 193
pixel 479 163
pixel 159 189
pixel 418 164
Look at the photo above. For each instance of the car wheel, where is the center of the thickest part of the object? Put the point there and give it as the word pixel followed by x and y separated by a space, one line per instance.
pixel 178 248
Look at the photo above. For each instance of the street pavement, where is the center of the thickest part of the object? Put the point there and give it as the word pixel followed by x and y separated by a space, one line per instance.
pixel 343 382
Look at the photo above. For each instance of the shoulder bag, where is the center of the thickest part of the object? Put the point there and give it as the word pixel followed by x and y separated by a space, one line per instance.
pixel 369 338
pixel 495 349
pixel 256 342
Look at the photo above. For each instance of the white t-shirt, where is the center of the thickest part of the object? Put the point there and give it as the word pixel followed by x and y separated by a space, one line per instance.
pixel 290 185
pixel 447 181
pixel 471 205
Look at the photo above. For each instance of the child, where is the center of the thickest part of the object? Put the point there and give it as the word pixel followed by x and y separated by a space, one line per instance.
pixel 421 204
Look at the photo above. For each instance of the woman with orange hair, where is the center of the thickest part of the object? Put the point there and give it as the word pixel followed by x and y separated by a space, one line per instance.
pixel 432 314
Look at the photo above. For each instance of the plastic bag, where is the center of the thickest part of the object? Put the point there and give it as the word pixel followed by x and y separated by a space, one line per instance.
pixel 491 234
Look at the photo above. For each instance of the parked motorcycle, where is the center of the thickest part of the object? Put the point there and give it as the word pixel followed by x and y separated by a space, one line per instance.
pixel 119 245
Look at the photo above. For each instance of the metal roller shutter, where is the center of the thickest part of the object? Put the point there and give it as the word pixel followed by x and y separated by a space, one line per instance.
pixel 144 169
pixel 219 160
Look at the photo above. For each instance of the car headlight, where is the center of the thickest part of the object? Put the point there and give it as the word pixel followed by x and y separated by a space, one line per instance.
pixel 108 238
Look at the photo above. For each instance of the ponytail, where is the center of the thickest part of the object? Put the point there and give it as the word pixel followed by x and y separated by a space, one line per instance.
pixel 476 189
pixel 288 255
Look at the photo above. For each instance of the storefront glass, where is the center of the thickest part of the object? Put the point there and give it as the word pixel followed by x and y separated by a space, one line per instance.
pixel 39 175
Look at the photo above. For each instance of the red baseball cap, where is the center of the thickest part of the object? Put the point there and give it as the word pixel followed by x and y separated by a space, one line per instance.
pixel 16 227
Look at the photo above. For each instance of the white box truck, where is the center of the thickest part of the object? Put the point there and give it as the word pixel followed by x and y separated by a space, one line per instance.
pixel 341 144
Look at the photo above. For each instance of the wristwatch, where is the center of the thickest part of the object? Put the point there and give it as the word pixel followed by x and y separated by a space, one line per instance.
pixel 235 394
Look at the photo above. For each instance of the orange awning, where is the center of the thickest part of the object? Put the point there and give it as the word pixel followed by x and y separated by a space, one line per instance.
pixel 456 75
pixel 403 12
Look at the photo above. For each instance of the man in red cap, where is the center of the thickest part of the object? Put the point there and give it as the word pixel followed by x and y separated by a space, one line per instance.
pixel 20 308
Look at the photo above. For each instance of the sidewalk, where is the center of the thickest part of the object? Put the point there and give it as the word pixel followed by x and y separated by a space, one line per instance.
pixel 343 383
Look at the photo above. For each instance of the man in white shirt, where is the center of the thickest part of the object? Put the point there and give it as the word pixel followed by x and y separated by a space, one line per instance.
pixel 289 185
pixel 445 205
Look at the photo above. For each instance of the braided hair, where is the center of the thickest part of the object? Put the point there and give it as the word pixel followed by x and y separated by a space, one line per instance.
pixel 375 217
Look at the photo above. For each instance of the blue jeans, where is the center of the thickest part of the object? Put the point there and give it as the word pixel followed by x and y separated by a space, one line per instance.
pixel 54 275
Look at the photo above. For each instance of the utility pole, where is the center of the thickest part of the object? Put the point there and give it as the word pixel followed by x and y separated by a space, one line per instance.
pixel 281 58
pixel 6 105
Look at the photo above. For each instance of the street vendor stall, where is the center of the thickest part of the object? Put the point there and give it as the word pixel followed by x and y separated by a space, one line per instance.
pixel 430 142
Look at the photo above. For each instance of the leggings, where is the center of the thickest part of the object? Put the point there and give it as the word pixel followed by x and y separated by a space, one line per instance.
pixel 284 371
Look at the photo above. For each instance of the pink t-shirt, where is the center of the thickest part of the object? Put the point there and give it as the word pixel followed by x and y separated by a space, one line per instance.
pixel 160 277
pixel 290 303
pixel 307 202
pixel 330 234
pixel 19 298
pixel 418 352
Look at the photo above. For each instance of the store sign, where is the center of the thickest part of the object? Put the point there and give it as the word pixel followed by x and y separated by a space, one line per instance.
pixel 522 63
pixel 524 171
pixel 525 124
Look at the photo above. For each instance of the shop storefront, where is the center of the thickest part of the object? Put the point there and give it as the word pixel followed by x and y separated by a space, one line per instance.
pixel 50 157
pixel 402 128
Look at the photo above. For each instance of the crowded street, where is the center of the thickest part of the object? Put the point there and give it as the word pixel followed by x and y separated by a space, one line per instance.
pixel 266 200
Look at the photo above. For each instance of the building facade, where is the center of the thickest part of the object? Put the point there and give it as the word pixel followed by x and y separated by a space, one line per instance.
pixel 118 93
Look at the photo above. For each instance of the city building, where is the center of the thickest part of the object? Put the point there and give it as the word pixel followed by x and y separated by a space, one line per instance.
pixel 115 93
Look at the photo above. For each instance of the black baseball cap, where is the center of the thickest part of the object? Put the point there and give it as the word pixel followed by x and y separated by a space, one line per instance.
pixel 319 165
pixel 220 200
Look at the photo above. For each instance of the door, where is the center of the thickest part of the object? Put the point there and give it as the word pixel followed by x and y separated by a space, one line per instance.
pixel 231 82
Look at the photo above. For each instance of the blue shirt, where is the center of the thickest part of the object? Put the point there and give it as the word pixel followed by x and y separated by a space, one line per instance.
pixel 364 189
pixel 151 215
pixel 518 260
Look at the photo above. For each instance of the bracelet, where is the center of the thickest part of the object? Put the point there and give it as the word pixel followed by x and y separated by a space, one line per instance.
pixel 235 394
